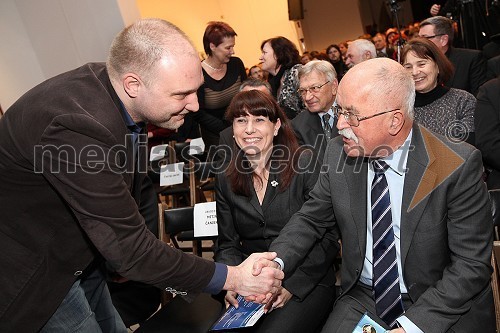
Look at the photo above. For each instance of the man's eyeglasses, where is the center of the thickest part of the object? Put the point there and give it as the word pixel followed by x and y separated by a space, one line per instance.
pixel 353 119
pixel 433 36
pixel 313 90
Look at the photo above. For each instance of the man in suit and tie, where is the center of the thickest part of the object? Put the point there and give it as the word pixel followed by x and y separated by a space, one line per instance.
pixel 318 87
pixel 470 65
pixel 412 210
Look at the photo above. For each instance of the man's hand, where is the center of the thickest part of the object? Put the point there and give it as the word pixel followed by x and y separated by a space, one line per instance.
pixel 398 330
pixel 243 280
pixel 435 9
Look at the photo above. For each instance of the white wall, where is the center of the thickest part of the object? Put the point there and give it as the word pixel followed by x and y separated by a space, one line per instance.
pixel 325 21
pixel 19 66
pixel 42 38
pixel 253 21
pixel 48 37
pixel 330 22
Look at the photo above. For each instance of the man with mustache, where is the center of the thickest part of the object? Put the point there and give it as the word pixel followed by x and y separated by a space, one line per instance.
pixel 73 169
pixel 412 210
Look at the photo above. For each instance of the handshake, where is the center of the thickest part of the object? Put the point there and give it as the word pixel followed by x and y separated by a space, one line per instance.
pixel 258 278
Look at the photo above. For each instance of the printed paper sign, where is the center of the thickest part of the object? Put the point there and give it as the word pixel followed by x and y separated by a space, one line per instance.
pixel 205 219
pixel 171 174
pixel 368 325
pixel 196 146
pixel 246 315
pixel 158 152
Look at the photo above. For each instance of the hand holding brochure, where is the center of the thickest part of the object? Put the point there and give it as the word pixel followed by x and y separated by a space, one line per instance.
pixel 245 315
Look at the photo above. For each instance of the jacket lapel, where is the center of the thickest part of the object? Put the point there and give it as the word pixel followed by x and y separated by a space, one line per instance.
pixel 254 200
pixel 271 191
pixel 356 172
pixel 420 158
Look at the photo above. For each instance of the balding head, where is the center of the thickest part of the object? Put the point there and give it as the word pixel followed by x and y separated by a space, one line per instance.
pixel 383 78
pixel 142 45
pixel 377 95
pixel 156 72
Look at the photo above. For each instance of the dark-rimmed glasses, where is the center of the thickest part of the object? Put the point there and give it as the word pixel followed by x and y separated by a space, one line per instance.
pixel 313 90
pixel 433 36
pixel 353 119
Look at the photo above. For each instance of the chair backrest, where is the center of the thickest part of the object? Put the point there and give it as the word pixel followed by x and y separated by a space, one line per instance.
pixel 495 206
pixel 178 220
pixel 204 170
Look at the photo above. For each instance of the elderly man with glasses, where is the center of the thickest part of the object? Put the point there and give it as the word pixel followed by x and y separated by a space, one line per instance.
pixel 318 88
pixel 470 65
pixel 412 210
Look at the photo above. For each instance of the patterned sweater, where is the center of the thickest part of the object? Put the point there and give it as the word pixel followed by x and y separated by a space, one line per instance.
pixel 446 111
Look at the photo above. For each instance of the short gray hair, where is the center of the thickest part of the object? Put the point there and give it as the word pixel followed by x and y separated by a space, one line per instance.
pixel 256 83
pixel 321 66
pixel 140 46
pixel 363 45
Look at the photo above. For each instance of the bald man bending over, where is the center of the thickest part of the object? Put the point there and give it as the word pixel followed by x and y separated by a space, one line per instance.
pixel 72 165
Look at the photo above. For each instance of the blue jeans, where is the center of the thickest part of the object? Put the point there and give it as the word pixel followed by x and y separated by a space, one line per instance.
pixel 86 308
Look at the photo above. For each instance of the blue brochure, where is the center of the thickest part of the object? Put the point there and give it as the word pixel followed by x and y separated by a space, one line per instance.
pixel 245 315
pixel 368 325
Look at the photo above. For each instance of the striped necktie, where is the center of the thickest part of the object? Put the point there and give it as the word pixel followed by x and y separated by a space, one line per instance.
pixel 326 126
pixel 386 292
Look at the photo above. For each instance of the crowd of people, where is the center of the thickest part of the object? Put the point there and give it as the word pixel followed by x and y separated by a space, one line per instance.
pixel 372 148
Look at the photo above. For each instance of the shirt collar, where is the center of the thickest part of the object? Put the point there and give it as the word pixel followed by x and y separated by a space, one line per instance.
pixel 132 126
pixel 397 160
pixel 330 111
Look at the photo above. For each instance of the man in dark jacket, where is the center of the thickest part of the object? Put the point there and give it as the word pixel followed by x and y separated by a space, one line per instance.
pixel 72 168
pixel 470 65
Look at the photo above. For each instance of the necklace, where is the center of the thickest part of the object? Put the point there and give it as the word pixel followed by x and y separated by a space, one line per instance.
pixel 213 68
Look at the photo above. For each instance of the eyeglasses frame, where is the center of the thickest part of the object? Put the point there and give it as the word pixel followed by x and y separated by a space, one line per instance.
pixel 433 36
pixel 303 91
pixel 337 110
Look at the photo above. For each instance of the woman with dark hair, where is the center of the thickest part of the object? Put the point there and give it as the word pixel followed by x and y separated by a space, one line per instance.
pixel 443 110
pixel 223 76
pixel 335 58
pixel 280 58
pixel 266 181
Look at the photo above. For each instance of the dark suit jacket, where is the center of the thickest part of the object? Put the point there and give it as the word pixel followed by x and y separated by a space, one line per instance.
pixel 494 67
pixel 226 146
pixel 309 131
pixel 470 69
pixel 246 227
pixel 62 212
pixel 487 125
pixel 446 237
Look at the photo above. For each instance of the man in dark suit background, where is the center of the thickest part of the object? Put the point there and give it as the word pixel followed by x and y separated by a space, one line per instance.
pixel 470 65
pixel 72 168
pixel 381 46
pixel 487 124
pixel 435 246
pixel 318 87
